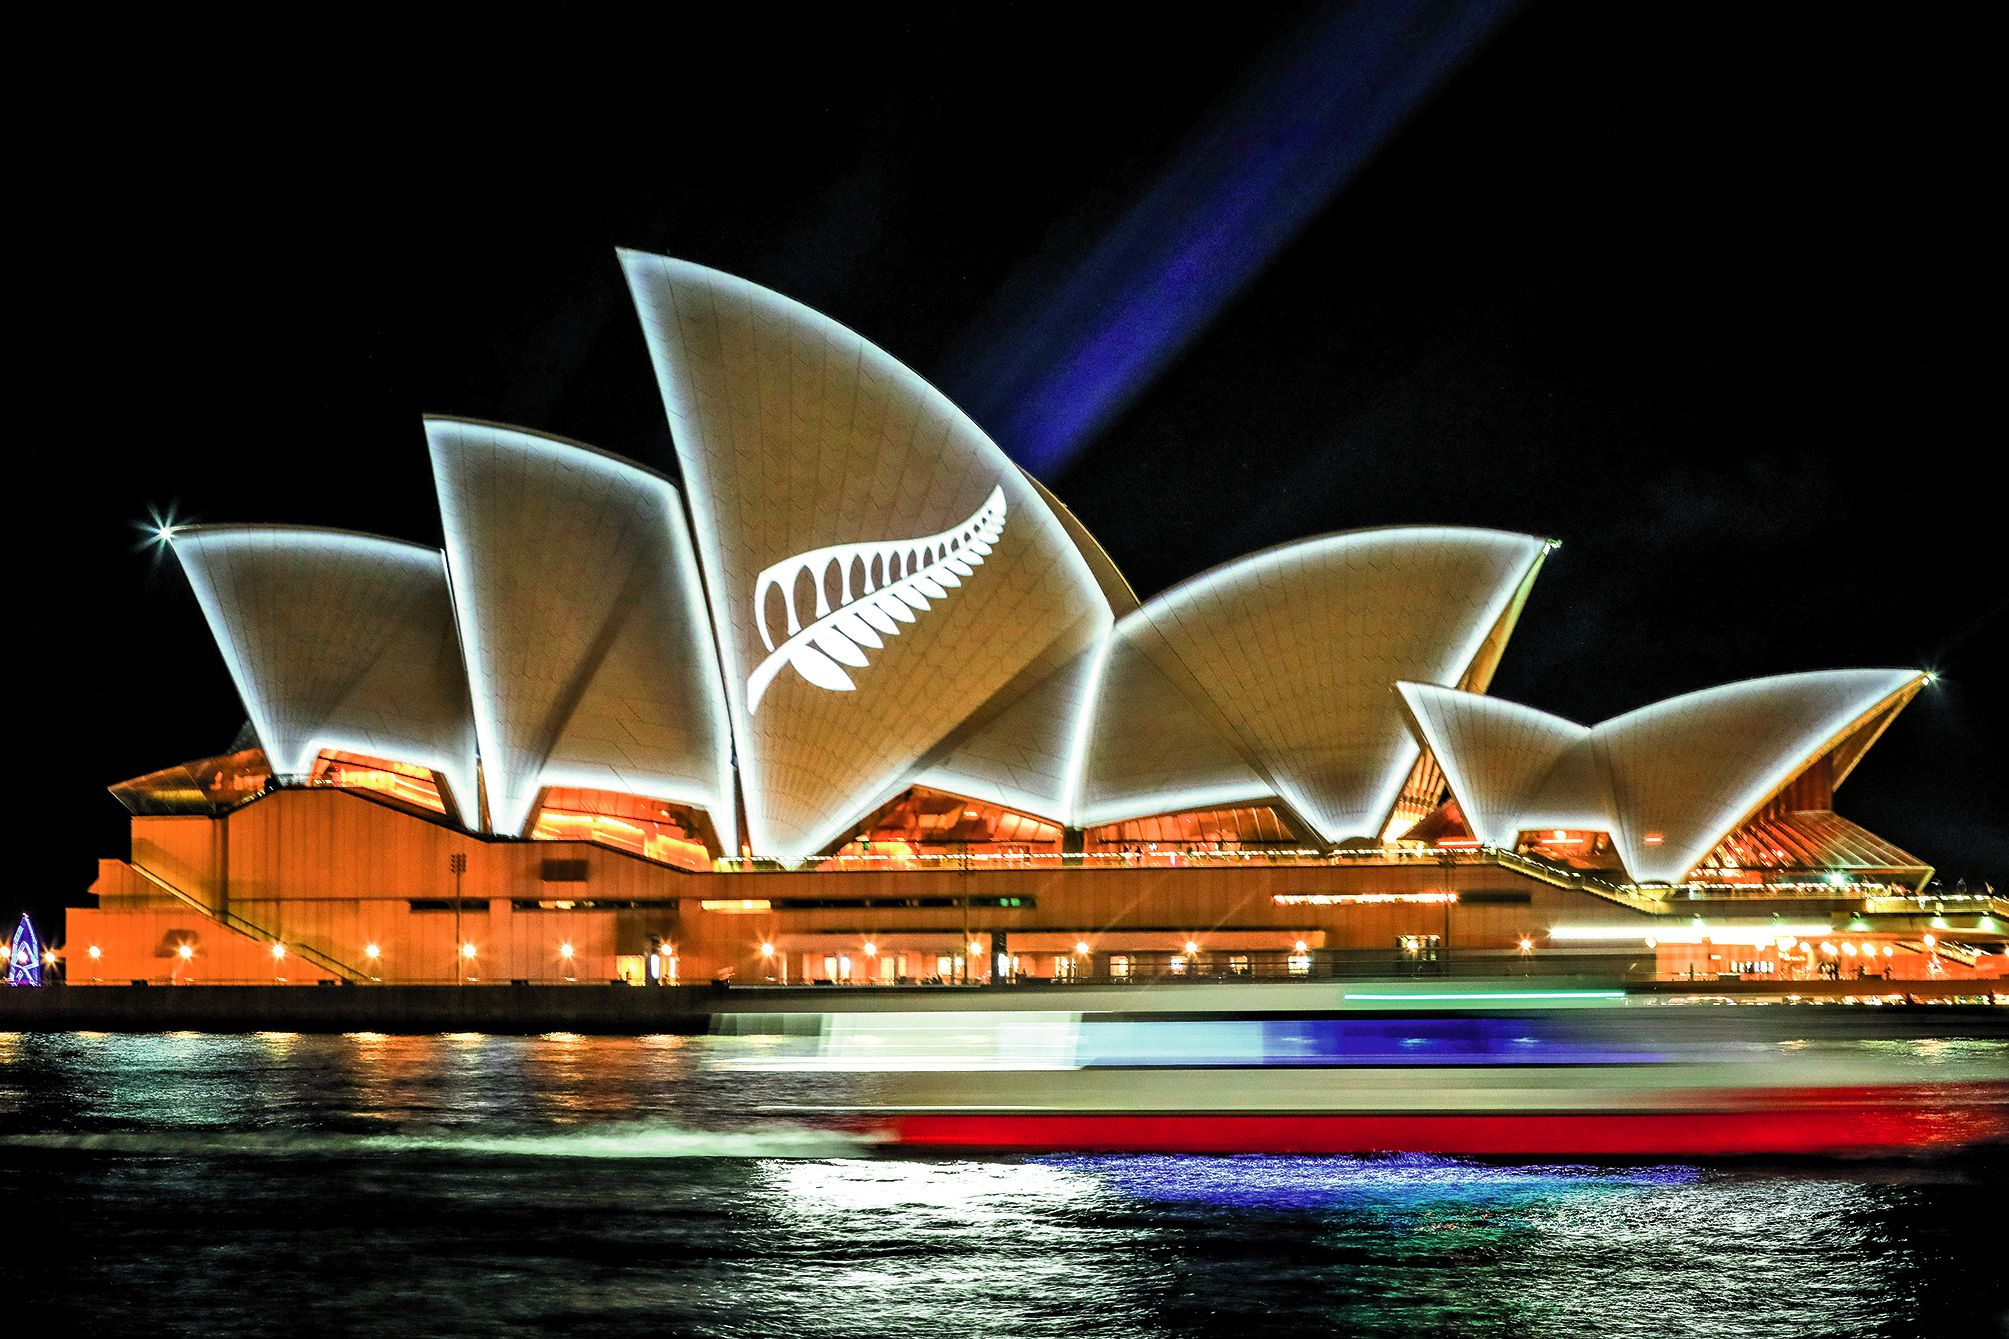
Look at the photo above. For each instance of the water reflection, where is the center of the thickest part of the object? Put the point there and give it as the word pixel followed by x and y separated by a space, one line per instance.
pixel 518 1185
pixel 1343 1183
pixel 961 1193
pixel 1553 1249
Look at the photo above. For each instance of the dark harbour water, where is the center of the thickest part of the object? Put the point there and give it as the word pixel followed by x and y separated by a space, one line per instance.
pixel 225 1185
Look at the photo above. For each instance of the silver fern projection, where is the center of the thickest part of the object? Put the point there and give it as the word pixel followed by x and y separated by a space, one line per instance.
pixel 894 579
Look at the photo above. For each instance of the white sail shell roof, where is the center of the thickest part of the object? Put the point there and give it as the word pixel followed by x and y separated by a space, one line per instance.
pixel 1274 674
pixel 1018 756
pixel 338 641
pixel 1153 744
pixel 589 653
pixel 1022 755
pixel 1495 754
pixel 1669 781
pixel 1692 768
pixel 857 592
pixel 877 569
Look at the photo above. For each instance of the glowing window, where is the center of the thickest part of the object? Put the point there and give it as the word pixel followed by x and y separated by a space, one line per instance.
pixel 657 830
pixel 404 782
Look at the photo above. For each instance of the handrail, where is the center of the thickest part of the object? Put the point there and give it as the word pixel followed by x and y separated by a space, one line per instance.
pixel 1016 861
pixel 1964 954
pixel 1933 904
pixel 1557 876
pixel 248 928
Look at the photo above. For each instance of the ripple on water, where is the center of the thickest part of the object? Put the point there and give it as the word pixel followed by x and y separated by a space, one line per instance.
pixel 431 1185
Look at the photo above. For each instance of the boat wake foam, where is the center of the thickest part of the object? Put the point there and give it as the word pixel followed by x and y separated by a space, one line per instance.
pixel 637 1142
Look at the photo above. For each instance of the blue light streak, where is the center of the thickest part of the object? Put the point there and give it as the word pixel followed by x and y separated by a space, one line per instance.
pixel 1055 370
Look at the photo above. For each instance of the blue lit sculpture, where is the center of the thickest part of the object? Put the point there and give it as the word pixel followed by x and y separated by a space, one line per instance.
pixel 24 962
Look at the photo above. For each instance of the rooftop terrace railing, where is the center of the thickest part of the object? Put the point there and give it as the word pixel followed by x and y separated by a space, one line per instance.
pixel 1934 904
pixel 1779 892
pixel 1147 859
pixel 1652 900
pixel 1160 859
pixel 1657 899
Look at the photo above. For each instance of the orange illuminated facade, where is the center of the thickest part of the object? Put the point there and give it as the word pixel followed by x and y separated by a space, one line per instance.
pixel 665 833
pixel 852 697
pixel 399 781
pixel 924 823
pixel 1254 828
pixel 345 877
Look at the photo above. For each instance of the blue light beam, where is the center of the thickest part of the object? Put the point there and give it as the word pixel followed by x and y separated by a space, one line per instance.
pixel 1051 372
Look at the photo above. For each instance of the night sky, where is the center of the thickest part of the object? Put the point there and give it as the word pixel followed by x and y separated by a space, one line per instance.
pixel 1705 302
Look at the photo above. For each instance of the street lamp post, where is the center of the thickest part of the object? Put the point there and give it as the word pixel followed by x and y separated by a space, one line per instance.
pixel 969 954
pixel 1448 860
pixel 969 970
pixel 457 862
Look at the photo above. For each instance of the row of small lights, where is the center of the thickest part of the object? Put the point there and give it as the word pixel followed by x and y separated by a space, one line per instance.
pixel 48 954
pixel 1827 946
pixel 467 950
pixel 370 951
pixel 1082 948
pixel 1351 856
pixel 1170 848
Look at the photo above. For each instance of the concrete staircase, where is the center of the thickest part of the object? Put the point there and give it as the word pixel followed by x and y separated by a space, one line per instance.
pixel 340 970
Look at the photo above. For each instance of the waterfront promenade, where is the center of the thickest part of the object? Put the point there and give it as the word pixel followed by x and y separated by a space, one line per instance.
pixel 634 1010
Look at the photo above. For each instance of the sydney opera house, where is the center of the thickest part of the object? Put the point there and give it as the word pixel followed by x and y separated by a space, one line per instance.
pixel 853 698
